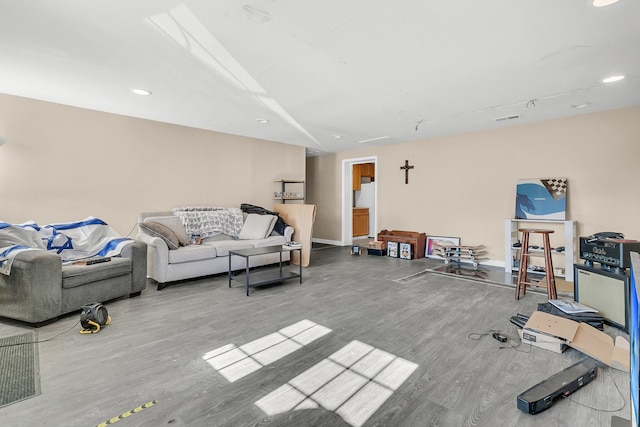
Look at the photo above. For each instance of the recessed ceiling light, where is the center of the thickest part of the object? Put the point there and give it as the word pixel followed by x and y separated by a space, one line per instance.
pixel 336 136
pixel 502 119
pixel 262 121
pixel 143 92
pixel 612 79
pixel 602 3
pixel 373 139
pixel 583 105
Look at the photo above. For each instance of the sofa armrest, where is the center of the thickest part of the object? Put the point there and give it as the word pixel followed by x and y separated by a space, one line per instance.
pixel 157 256
pixel 288 233
pixel 33 291
pixel 137 252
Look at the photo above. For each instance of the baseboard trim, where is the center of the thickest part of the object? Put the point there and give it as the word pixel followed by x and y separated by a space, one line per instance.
pixel 327 242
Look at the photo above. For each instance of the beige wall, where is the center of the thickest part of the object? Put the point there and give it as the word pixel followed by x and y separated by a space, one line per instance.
pixel 63 163
pixel 464 185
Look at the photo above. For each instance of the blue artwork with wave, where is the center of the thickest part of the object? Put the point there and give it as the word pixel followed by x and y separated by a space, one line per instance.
pixel 541 199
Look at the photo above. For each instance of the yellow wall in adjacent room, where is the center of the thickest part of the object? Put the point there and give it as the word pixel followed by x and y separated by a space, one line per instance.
pixel 63 163
pixel 464 185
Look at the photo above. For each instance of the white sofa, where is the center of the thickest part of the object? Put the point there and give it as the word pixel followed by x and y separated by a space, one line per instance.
pixel 185 261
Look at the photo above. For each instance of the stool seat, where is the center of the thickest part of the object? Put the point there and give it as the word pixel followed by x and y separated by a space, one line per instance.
pixel 535 230
pixel 523 281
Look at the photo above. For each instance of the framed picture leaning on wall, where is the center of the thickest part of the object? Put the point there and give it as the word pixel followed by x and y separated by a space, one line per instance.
pixel 392 249
pixel 430 251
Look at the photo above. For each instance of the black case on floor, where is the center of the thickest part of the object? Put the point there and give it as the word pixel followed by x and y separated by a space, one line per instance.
pixel 593 319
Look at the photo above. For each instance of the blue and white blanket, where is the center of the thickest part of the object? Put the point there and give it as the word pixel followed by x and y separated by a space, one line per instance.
pixel 73 241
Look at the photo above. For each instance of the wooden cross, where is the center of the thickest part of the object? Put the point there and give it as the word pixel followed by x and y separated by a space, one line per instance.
pixel 406 168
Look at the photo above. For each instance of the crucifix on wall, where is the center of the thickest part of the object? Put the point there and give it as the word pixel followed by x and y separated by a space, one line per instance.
pixel 406 168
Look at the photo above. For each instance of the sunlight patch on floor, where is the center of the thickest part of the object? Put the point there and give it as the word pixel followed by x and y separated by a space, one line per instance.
pixel 234 362
pixel 354 382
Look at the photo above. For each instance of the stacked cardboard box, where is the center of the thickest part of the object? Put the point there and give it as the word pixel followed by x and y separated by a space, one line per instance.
pixel 376 247
pixel 554 332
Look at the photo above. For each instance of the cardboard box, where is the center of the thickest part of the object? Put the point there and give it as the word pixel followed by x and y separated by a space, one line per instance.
pixel 555 344
pixel 377 244
pixel 378 252
pixel 584 338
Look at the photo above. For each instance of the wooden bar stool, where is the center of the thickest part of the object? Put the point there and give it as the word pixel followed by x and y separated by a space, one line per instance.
pixel 525 254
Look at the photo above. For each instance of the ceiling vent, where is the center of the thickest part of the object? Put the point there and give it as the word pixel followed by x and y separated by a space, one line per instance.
pixel 502 119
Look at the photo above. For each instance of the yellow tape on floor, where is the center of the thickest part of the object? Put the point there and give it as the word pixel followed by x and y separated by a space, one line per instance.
pixel 127 414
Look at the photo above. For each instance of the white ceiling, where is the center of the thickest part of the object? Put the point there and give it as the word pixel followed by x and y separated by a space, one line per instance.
pixel 362 69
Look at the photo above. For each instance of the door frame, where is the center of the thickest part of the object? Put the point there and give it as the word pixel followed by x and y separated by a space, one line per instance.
pixel 347 196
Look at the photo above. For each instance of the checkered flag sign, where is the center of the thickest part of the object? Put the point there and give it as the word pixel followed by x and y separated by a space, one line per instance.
pixel 557 187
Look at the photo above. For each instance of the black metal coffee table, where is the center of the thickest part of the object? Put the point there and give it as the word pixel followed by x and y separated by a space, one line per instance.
pixel 268 276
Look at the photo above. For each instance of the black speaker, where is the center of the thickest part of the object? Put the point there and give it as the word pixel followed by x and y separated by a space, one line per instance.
pixel 94 315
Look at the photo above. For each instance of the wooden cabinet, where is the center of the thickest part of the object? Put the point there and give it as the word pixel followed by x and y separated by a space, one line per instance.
pixel 366 170
pixel 417 240
pixel 356 178
pixel 360 221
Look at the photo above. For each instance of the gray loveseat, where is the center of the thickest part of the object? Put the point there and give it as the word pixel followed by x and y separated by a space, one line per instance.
pixel 40 289
pixel 171 257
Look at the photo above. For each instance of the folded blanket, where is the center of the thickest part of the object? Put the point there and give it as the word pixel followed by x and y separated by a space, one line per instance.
pixel 72 241
pixel 210 221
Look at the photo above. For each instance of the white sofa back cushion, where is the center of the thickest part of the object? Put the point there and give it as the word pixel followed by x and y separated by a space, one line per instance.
pixel 256 227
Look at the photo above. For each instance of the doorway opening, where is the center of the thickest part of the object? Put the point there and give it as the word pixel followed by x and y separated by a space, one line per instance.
pixel 352 198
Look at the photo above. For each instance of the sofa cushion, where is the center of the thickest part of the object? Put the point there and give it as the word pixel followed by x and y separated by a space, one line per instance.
pixel 274 220
pixel 256 227
pixel 217 238
pixel 280 224
pixel 270 241
pixel 174 224
pixel 224 246
pixel 192 253
pixel 78 275
pixel 156 229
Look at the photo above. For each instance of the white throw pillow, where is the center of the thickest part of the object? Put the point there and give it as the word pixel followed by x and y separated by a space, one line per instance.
pixel 272 226
pixel 255 227
pixel 174 224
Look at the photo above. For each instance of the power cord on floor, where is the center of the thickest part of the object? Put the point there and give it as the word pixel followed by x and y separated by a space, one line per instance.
pixel 41 341
pixel 599 409
pixel 505 344
pixel 476 336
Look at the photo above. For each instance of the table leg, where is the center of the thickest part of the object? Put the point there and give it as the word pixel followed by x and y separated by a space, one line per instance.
pixel 246 276
pixel 229 270
pixel 300 254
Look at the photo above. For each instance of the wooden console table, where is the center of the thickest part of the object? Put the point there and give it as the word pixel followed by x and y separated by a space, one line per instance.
pixel 417 240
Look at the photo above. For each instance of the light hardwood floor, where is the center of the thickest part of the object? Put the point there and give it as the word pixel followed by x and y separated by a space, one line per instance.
pixel 364 340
